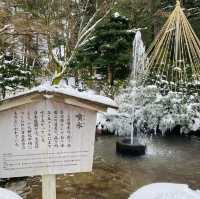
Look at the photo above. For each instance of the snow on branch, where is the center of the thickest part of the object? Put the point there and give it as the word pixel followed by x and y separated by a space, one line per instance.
pixel 89 30
pixel 84 33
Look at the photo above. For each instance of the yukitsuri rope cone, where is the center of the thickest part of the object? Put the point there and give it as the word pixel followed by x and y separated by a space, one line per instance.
pixel 174 57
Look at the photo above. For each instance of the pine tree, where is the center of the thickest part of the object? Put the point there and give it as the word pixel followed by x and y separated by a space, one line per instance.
pixel 14 75
pixel 109 50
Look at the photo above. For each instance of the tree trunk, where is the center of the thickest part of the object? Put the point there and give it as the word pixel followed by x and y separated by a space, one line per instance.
pixel 3 92
pixel 110 75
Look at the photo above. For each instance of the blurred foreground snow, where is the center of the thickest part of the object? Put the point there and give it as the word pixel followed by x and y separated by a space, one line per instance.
pixel 165 191
pixel 6 194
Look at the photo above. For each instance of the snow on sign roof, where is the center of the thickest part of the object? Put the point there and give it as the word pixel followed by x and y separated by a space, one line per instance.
pixel 70 96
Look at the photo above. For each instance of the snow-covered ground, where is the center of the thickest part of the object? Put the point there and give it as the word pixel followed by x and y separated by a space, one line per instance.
pixel 165 191
pixel 6 194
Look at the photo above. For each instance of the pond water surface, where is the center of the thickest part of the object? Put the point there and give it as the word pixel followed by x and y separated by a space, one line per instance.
pixel 175 160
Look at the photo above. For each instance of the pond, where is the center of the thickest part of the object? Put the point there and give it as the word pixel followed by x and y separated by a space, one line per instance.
pixel 114 176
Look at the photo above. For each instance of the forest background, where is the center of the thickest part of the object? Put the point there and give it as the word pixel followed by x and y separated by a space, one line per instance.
pixel 36 36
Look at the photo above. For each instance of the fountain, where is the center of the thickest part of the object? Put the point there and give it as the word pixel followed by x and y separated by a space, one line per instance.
pixel 139 57
pixel 129 145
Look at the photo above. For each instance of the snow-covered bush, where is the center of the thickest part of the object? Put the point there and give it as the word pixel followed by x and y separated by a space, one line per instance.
pixel 149 111
pixel 114 122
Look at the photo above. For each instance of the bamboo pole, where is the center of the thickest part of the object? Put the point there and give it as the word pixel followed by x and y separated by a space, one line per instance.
pixel 175 54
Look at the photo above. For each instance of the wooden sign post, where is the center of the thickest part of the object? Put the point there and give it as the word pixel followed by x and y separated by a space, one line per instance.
pixel 47 133
pixel 49 187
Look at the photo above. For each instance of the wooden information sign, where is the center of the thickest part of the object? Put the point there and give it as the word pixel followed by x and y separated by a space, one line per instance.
pixel 46 135
pixel 46 138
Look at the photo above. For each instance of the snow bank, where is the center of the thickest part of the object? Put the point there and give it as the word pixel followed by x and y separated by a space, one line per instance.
pixel 6 194
pixel 165 191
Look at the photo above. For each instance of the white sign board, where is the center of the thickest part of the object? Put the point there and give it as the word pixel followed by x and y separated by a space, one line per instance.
pixel 44 138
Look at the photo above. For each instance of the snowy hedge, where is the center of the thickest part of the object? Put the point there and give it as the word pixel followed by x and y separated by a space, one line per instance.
pixel 149 110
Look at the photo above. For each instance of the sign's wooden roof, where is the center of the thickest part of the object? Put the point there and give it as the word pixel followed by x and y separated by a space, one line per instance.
pixel 65 94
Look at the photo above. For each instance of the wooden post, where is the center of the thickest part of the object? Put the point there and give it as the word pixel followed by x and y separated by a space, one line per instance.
pixel 49 187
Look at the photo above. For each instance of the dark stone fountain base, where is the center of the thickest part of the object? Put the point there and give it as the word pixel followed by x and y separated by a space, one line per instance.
pixel 125 147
